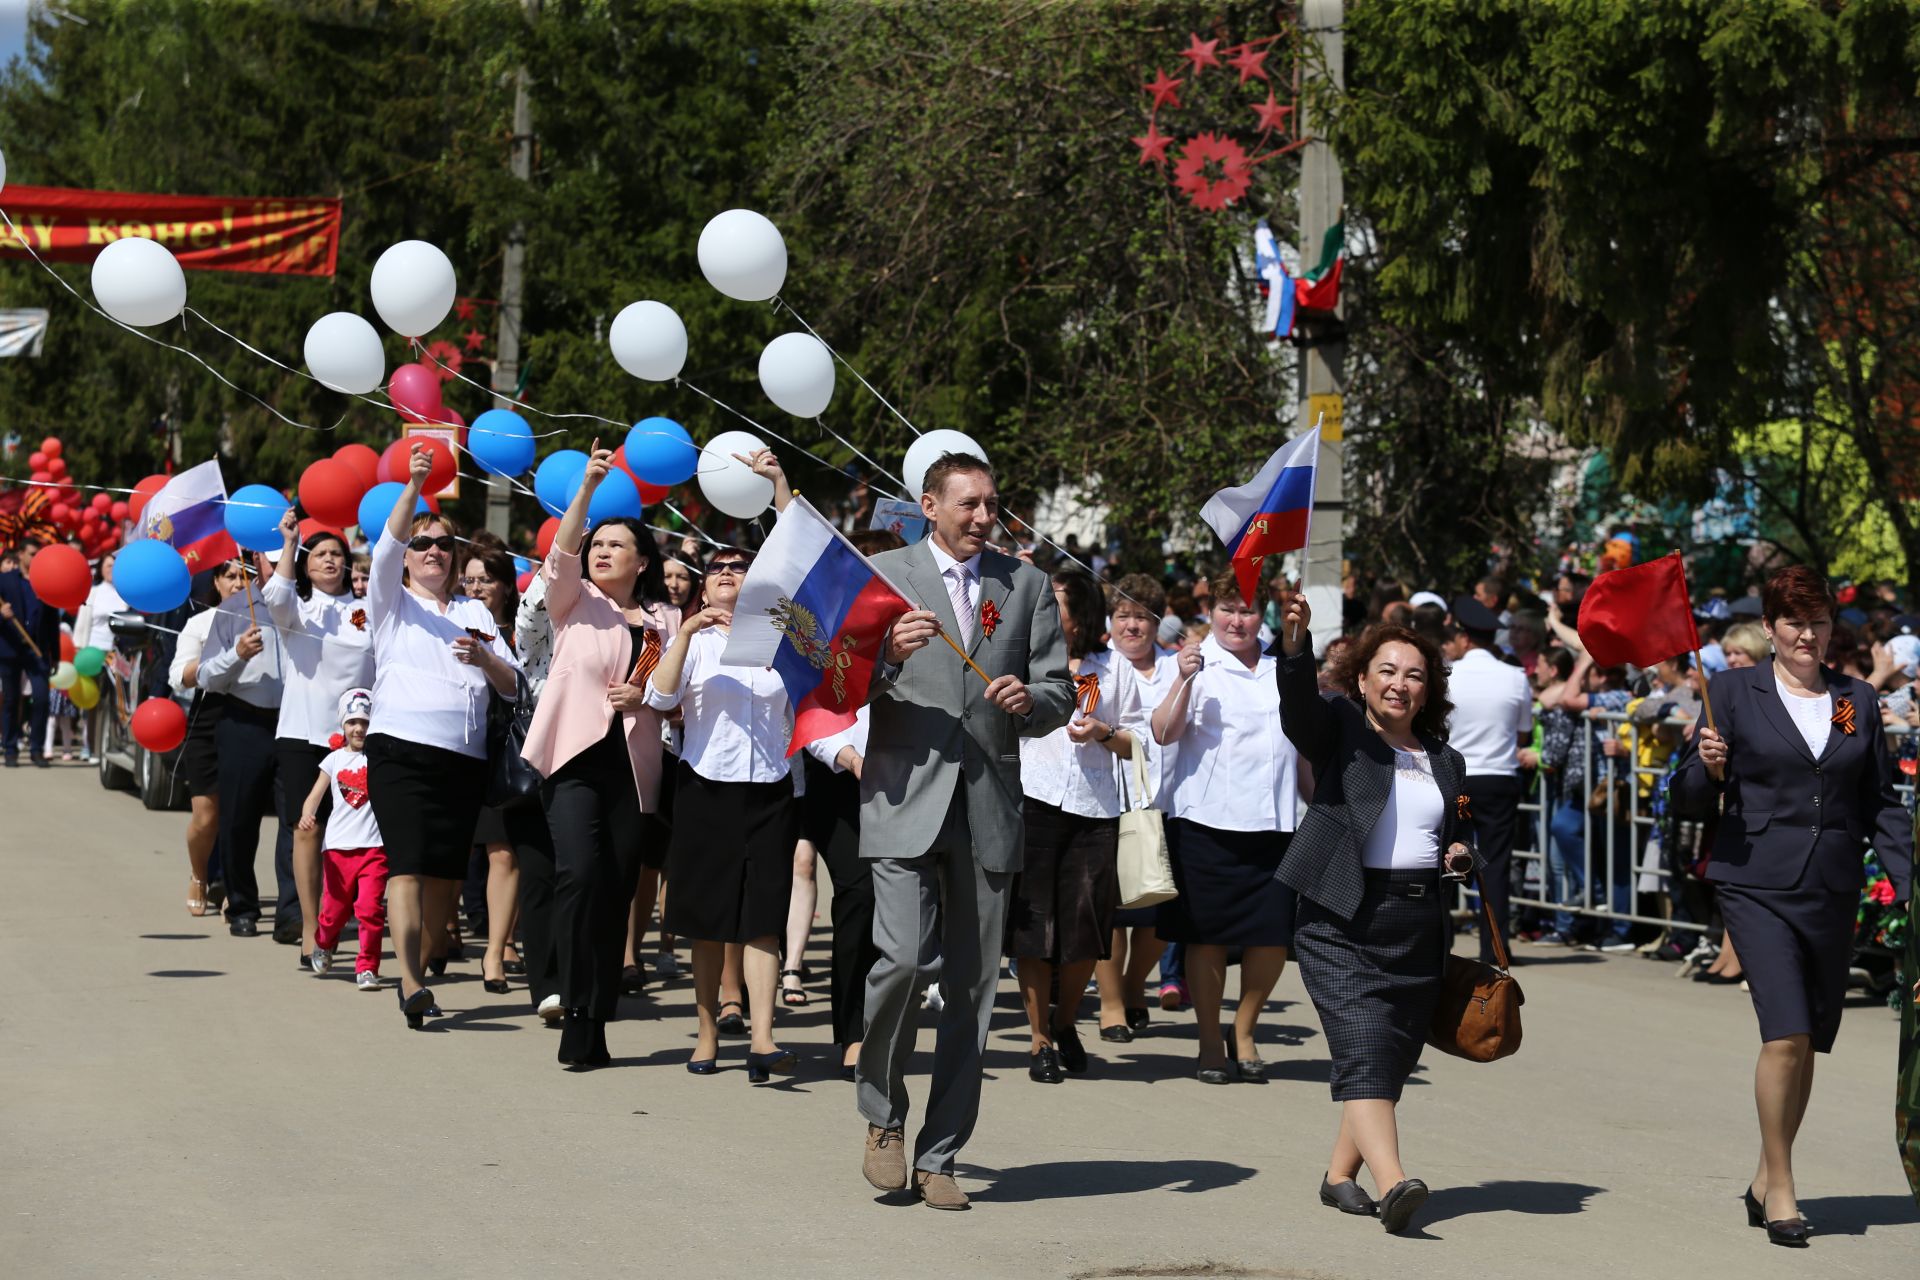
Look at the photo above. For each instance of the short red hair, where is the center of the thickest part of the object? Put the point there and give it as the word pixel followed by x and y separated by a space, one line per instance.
pixel 1797 591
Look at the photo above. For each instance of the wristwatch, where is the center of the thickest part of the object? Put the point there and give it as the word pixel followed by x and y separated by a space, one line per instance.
pixel 1108 735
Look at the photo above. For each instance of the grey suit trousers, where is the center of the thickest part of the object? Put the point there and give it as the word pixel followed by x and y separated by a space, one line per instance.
pixel 939 906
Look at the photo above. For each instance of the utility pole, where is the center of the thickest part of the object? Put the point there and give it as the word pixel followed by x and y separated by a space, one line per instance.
pixel 513 261
pixel 1323 360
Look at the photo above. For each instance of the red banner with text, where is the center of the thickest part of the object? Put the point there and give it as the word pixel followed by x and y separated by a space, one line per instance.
pixel 207 233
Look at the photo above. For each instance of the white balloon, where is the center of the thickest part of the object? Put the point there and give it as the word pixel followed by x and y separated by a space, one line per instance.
pixel 3 169
pixel 139 282
pixel 796 372
pixel 413 287
pixel 742 255
pixel 344 353
pixel 730 484
pixel 649 341
pixel 929 449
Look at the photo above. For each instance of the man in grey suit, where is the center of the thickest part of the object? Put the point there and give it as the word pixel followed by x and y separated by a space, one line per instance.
pixel 940 811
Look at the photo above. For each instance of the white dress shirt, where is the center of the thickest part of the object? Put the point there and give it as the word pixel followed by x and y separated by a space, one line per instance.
pixel 327 652
pixel 946 564
pixel 1492 712
pixel 1077 778
pixel 421 692
pixel 1407 836
pixel 259 681
pixel 1235 769
pixel 101 604
pixel 827 750
pixel 1813 717
pixel 191 643
pixel 1139 693
pixel 735 719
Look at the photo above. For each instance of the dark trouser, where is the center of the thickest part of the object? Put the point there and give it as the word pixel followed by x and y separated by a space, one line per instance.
pixel 16 678
pixel 1495 801
pixel 593 811
pixel 250 791
pixel 533 846
pixel 854 952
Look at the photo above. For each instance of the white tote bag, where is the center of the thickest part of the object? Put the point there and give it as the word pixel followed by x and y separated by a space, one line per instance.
pixel 1146 875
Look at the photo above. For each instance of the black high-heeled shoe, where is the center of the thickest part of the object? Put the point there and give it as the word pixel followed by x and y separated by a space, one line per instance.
pixel 761 1066
pixel 576 1039
pixel 437 966
pixel 415 1007
pixel 598 1055
pixel 1789 1233
pixel 495 986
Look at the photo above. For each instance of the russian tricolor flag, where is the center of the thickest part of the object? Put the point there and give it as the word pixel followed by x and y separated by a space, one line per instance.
pixel 189 514
pixel 816 611
pixel 1271 513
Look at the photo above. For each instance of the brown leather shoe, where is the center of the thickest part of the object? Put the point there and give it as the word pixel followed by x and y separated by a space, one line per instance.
pixel 938 1190
pixel 886 1161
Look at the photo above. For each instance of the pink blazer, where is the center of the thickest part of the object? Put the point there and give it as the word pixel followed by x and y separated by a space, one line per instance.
pixel 590 654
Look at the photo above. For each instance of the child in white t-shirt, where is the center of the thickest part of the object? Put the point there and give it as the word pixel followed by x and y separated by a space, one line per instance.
pixel 354 877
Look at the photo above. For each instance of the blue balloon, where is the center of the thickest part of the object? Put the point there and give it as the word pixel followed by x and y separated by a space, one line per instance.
pixel 501 442
pixel 522 565
pixel 151 576
pixel 377 507
pixel 558 478
pixel 616 496
pixel 660 451
pixel 253 516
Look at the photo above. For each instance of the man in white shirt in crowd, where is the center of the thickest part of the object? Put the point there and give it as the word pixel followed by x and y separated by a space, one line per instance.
pixel 1492 719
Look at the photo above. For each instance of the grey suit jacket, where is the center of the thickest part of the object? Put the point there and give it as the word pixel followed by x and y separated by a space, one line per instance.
pixel 931 727
pixel 1352 782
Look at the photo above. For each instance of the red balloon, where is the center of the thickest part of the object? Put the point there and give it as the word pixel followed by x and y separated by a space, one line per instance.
pixel 159 724
pixel 37 462
pixel 69 495
pixel 414 390
pixel 330 491
pixel 56 467
pixel 102 503
pixel 365 463
pixel 398 461
pixel 649 493
pixel 120 511
pixel 432 501
pixel 525 581
pixel 41 476
pixel 543 541
pixel 143 491
pixel 61 513
pixel 51 446
pixel 67 647
pixel 60 577
pixel 310 526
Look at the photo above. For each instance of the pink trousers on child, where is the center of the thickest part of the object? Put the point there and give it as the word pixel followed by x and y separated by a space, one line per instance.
pixel 354 881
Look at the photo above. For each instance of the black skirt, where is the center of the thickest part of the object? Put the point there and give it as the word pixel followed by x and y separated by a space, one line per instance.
pixel 299 763
pixel 425 799
pixel 1067 889
pixel 1795 946
pixel 731 861
pixel 197 767
pixel 1228 893
pixel 1375 979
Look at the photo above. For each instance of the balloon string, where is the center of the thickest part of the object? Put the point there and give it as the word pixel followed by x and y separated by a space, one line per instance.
pixel 698 531
pixel 783 440
pixel 422 355
pixel 780 303
pixel 822 424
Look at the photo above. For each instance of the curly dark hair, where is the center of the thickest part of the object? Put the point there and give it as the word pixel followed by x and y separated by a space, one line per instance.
pixel 1354 660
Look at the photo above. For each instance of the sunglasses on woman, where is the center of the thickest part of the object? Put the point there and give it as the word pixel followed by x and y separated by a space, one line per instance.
pixel 421 542
pixel 735 568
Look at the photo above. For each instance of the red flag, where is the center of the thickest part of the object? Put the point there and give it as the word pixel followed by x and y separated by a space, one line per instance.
pixel 1639 615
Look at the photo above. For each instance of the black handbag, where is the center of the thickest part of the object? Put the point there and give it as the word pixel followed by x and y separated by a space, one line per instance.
pixel 511 781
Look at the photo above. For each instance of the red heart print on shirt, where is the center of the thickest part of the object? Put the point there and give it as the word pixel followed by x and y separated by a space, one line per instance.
pixel 353 785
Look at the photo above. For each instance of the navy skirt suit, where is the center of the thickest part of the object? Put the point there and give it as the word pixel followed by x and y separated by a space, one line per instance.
pixel 1787 856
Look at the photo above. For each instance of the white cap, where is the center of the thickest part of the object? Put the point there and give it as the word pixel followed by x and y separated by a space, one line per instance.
pixel 356 704
pixel 1426 597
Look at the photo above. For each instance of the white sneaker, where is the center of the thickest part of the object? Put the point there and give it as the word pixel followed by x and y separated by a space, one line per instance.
pixel 934 1000
pixel 320 961
pixel 1616 947
pixel 668 966
pixel 551 1012
pixel 367 980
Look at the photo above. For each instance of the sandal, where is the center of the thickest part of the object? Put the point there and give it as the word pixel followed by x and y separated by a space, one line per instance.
pixel 792 997
pixel 196 897
pixel 731 1024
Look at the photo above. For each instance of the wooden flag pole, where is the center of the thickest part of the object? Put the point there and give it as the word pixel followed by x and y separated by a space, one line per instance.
pixel 1705 697
pixel 18 626
pixel 963 655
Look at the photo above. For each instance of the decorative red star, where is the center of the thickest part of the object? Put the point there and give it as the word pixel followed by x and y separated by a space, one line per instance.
pixel 1153 146
pixel 1272 115
pixel 476 339
pixel 1248 62
pixel 463 308
pixel 1189 172
pixel 1201 52
pixel 1165 90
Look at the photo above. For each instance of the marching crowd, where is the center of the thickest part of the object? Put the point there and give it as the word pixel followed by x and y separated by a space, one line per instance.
pixel 438 751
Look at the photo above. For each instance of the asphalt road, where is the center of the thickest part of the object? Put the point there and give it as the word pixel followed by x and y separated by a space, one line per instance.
pixel 176 1102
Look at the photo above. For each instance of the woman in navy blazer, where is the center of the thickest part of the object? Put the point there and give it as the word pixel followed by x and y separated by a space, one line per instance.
pixel 1798 770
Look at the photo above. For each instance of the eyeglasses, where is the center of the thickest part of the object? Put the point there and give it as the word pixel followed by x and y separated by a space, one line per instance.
pixel 421 542
pixel 471 583
pixel 733 568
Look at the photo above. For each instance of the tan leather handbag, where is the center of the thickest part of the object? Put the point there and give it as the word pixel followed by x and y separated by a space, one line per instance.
pixel 1478 1017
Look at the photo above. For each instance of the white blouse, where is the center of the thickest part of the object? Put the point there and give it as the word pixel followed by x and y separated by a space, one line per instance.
pixel 1235 769
pixel 101 604
pixel 533 635
pixel 827 750
pixel 192 642
pixel 1407 837
pixel 329 648
pixel 1078 778
pixel 735 719
pixel 421 692
pixel 1138 695
pixel 1813 717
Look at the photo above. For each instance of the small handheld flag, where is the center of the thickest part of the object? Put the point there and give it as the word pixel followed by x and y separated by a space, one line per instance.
pixel 188 513
pixel 1270 514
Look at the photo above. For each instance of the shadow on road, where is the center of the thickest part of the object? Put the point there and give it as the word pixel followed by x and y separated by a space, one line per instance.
pixel 1071 1179
pixel 1551 1198
pixel 187 973
pixel 1853 1215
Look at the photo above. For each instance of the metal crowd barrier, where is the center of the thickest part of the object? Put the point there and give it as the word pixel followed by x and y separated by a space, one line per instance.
pixel 1618 845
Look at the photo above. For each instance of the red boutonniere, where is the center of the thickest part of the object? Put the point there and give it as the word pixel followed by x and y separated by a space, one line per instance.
pixel 1843 715
pixel 1087 693
pixel 989 619
pixel 484 637
pixel 359 619
pixel 1462 808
